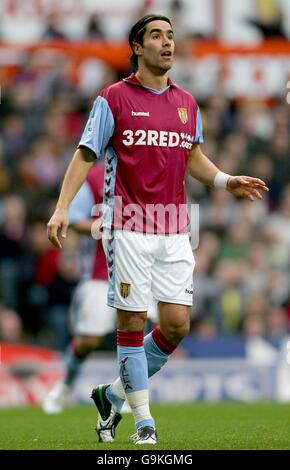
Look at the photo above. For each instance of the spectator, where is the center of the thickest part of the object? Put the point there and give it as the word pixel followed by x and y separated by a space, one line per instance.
pixel 95 29
pixel 10 326
pixel 12 236
pixel 52 30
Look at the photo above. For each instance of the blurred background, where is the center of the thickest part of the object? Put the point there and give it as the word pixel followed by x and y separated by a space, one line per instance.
pixel 234 57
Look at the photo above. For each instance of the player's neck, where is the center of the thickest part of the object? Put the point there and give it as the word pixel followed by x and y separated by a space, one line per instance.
pixel 147 78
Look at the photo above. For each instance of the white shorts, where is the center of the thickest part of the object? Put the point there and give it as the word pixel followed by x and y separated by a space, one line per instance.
pixel 90 315
pixel 139 264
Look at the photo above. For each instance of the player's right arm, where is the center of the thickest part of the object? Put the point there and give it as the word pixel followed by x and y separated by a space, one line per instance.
pixel 75 176
pixel 98 131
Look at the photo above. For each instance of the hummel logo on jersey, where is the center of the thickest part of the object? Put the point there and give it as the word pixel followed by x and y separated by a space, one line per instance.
pixel 140 113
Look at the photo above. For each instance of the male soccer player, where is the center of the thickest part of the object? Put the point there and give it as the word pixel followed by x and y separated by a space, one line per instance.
pixel 151 131
pixel 91 318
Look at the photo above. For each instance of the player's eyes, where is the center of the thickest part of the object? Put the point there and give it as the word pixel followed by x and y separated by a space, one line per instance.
pixel 157 36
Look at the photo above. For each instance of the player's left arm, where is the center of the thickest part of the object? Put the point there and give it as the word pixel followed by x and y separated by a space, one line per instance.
pixel 201 168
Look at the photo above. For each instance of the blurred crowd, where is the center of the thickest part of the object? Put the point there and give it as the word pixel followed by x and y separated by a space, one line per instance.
pixel 241 281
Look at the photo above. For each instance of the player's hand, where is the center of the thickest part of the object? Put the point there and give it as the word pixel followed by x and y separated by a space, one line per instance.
pixel 59 220
pixel 246 186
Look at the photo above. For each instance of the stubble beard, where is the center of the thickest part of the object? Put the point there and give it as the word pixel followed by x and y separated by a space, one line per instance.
pixel 160 69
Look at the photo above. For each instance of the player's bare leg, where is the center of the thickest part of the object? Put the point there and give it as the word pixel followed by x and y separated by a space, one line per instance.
pixel 174 321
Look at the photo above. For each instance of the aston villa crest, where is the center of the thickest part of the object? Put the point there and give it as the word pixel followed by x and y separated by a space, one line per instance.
pixel 182 113
pixel 124 289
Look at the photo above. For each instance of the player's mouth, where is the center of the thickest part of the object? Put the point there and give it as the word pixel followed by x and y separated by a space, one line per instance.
pixel 166 54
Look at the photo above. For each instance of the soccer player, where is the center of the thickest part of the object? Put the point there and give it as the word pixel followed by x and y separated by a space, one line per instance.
pixel 91 318
pixel 151 131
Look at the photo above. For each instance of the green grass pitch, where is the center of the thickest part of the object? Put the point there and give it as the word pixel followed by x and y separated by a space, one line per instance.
pixel 180 426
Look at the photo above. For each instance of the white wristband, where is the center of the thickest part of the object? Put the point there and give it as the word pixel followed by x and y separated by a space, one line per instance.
pixel 221 180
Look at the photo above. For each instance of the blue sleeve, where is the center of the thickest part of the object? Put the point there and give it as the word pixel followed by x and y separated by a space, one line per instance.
pixel 198 133
pixel 99 128
pixel 81 206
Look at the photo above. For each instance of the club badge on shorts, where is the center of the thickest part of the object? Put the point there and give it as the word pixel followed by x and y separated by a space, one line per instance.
pixel 124 289
pixel 183 116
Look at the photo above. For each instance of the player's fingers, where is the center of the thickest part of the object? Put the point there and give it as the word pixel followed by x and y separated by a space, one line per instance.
pixel 260 182
pixel 52 235
pixel 263 186
pixel 55 241
pixel 252 194
pixel 64 230
pixel 257 194
pixel 48 231
pixel 256 183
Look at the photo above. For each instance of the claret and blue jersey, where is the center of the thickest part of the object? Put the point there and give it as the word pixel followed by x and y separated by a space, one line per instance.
pixel 145 136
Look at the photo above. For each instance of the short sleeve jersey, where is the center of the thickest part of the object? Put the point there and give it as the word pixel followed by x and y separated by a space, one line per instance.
pixel 145 137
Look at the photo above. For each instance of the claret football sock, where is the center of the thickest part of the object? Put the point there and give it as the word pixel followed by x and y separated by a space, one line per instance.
pixel 158 350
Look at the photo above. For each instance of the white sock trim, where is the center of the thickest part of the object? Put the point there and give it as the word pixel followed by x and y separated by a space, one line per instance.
pixel 118 389
pixel 139 403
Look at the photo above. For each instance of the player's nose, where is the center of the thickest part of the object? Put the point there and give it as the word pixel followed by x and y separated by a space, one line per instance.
pixel 166 42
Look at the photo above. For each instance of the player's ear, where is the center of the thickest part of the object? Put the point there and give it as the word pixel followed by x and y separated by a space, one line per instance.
pixel 137 48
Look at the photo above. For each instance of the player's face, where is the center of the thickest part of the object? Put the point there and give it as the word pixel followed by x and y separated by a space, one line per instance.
pixel 158 46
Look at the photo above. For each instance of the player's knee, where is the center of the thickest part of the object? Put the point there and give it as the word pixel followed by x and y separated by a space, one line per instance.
pixel 131 321
pixel 175 333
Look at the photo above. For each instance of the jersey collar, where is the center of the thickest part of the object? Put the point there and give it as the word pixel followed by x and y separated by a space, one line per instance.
pixel 134 81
